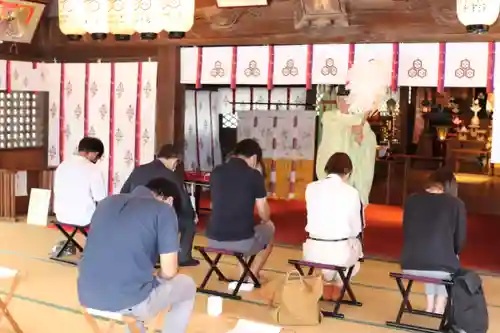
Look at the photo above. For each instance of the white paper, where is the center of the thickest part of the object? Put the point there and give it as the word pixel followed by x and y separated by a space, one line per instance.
pixel 214 306
pixel 245 125
pixel 244 286
pixel 7 273
pixel 283 132
pixel 247 326
pixel 21 189
pixel 38 209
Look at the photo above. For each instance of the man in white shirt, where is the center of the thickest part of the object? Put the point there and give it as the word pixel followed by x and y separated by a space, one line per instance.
pixel 334 219
pixel 79 184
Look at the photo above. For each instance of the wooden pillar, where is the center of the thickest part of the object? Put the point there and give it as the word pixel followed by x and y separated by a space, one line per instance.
pixel 404 121
pixel 7 195
pixel 170 98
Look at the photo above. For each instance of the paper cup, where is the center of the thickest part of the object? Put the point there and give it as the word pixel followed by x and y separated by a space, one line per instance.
pixel 214 306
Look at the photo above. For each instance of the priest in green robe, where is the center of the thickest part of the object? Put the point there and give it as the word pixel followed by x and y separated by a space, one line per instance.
pixel 345 127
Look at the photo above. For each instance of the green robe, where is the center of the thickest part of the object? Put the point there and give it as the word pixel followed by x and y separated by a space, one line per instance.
pixel 337 136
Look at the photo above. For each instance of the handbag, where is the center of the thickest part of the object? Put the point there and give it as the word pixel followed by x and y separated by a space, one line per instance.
pixel 297 301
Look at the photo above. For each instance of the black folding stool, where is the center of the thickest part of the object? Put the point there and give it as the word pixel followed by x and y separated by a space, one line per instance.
pixel 407 307
pixel 70 239
pixel 344 274
pixel 245 263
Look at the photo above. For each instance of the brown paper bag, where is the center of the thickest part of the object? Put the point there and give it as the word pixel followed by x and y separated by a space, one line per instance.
pixel 297 301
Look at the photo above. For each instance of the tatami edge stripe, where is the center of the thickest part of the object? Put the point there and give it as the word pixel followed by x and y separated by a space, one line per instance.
pixel 271 270
pixel 75 311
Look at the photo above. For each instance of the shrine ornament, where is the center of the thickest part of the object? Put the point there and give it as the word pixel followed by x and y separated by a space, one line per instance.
pixel 478 15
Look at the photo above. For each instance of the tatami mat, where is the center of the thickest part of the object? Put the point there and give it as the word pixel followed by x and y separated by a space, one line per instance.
pixel 46 300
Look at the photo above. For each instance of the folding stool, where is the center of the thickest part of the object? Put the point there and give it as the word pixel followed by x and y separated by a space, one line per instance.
pixel 8 273
pixel 114 318
pixel 406 305
pixel 344 274
pixel 245 263
pixel 70 239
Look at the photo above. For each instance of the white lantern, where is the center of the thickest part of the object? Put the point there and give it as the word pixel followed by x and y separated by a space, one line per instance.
pixel 72 18
pixel 121 18
pixel 96 18
pixel 478 15
pixel 178 17
pixel 148 18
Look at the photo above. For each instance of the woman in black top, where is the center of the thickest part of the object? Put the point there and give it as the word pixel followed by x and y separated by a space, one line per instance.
pixel 434 228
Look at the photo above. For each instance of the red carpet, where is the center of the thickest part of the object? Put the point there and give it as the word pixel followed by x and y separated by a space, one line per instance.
pixel 383 233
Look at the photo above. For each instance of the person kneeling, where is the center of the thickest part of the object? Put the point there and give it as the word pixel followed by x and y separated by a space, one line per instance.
pixel 334 222
pixel 237 186
pixel 128 234
pixel 434 232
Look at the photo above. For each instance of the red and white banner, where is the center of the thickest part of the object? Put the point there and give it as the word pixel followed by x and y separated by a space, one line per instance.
pixel 290 65
pixel 417 64
pixel 113 102
pixel 466 65
pixel 217 66
pixel 330 63
pixel 252 65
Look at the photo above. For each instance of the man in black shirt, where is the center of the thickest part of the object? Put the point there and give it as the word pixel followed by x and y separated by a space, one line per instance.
pixel 163 167
pixel 236 188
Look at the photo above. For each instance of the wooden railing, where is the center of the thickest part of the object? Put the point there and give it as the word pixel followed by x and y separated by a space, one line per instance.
pixel 7 194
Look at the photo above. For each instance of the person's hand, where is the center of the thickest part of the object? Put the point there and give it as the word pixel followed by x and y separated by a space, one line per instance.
pixel 357 129
pixel 196 220
pixel 359 138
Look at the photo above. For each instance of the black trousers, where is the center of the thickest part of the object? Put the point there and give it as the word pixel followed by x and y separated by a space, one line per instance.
pixel 187 231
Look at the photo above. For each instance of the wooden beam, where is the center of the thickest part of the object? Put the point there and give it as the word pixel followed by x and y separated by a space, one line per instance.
pixel 260 31
pixel 170 98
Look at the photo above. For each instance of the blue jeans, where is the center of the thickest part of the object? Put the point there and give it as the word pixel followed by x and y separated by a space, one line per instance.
pixel 179 293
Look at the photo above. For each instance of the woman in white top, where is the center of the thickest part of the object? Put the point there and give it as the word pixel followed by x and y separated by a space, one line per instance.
pixel 334 221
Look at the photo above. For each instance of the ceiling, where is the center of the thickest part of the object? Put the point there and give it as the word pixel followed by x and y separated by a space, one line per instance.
pixel 368 21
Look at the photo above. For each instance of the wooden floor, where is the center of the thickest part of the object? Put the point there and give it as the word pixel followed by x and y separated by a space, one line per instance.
pixel 47 302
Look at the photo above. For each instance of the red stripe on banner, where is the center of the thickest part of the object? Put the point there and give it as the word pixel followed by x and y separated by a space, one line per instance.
pixel 441 67
pixel 270 68
pixel 395 66
pixel 138 128
pixel 288 95
pixel 234 100
pixel 491 67
pixel 62 109
pixel 8 82
pixel 234 67
pixel 111 170
pixel 291 182
pixel 251 98
pixel 86 101
pixel 34 65
pixel 196 131
pixel 352 51
pixel 309 67
pixel 212 143
pixel 199 66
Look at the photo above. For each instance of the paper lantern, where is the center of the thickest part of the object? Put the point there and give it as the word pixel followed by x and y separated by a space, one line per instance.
pixel 121 18
pixel 178 17
pixel 96 18
pixel 478 15
pixel 72 18
pixel 148 18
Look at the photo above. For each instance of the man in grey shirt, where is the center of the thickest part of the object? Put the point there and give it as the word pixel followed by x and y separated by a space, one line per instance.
pixel 164 166
pixel 128 234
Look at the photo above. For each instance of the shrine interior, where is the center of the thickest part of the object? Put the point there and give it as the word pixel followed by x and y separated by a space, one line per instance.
pixel 269 70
